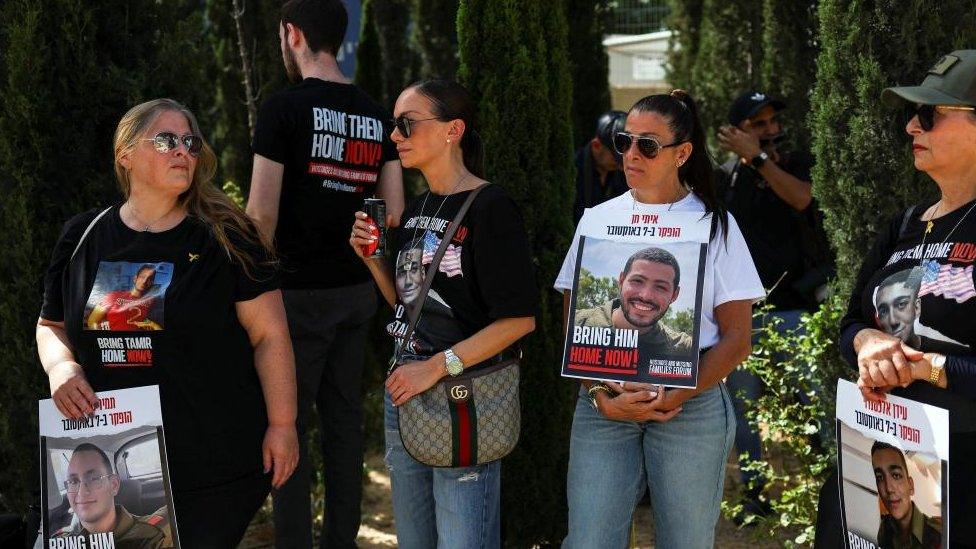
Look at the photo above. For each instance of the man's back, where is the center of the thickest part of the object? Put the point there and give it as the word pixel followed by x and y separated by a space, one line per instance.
pixel 333 141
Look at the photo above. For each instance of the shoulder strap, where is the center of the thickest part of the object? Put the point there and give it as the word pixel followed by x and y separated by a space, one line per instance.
pixel 414 312
pixel 906 219
pixel 84 235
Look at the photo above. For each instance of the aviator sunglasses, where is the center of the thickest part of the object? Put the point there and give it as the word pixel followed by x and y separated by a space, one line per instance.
pixel 403 124
pixel 926 113
pixel 165 142
pixel 648 146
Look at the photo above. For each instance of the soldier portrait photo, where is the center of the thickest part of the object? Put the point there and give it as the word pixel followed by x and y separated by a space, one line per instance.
pixel 646 288
pixel 903 524
pixel 92 488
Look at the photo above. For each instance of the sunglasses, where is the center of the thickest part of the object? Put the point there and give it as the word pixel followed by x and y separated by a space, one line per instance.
pixel 165 142
pixel 926 113
pixel 647 146
pixel 403 124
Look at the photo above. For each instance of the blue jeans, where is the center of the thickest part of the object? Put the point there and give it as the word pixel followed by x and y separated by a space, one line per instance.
pixel 746 387
pixel 682 461
pixel 443 507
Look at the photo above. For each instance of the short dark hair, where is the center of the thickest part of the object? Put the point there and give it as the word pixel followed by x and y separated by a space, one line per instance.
pixel 656 255
pixel 878 446
pixel 323 22
pixel 89 447
pixel 909 277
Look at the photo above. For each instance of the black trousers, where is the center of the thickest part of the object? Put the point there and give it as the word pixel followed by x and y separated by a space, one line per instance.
pixel 218 517
pixel 328 331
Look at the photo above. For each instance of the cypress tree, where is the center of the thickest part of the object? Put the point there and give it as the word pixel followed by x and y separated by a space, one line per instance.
pixel 864 172
pixel 728 59
pixel 789 46
pixel 435 37
pixel 385 61
pixel 72 68
pixel 589 65
pixel 684 20
pixel 513 59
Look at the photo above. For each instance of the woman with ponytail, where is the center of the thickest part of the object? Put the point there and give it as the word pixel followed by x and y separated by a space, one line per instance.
pixel 179 268
pixel 676 441
pixel 481 301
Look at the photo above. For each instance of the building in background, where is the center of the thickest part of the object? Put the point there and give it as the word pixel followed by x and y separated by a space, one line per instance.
pixel 637 45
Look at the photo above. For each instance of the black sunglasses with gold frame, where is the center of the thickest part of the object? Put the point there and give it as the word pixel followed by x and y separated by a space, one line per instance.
pixel 647 146
pixel 926 113
pixel 403 123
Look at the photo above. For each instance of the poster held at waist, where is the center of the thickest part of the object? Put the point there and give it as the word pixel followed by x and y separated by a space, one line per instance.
pixel 635 305
pixel 105 482
pixel 893 465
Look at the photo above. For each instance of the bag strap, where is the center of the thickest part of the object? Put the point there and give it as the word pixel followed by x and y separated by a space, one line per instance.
pixel 434 264
pixel 84 235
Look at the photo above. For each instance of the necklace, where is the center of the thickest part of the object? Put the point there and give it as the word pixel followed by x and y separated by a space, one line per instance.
pixel 134 213
pixel 423 206
pixel 678 196
pixel 930 224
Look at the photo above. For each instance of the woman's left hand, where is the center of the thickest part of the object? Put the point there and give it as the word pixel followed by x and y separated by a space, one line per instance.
pixel 673 398
pixel 280 452
pixel 413 378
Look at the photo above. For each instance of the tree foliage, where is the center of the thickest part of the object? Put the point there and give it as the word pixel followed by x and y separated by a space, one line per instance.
pixel 589 65
pixel 514 59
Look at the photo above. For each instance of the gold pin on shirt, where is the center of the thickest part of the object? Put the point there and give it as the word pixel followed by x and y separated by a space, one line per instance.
pixel 928 227
pixel 194 257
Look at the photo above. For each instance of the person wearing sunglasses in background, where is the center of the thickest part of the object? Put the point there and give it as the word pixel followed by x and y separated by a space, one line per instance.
pixel 482 300
pixel 221 356
pixel 675 441
pixel 599 175
pixel 941 122
pixel 768 190
pixel 321 147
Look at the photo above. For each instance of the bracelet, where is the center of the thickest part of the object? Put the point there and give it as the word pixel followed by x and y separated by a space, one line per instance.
pixel 597 387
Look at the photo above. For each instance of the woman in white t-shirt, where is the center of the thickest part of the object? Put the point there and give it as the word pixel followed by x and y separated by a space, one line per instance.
pixel 676 441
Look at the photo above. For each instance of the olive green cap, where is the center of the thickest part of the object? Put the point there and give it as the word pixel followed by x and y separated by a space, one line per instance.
pixel 951 81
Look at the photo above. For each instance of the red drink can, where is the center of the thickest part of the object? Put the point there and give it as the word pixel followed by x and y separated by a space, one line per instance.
pixel 375 209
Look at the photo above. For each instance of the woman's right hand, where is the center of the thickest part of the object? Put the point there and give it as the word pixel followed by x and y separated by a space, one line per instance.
pixel 639 406
pixel 70 390
pixel 883 363
pixel 362 234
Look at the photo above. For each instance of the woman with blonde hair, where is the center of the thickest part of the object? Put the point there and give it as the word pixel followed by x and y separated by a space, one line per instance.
pixel 219 348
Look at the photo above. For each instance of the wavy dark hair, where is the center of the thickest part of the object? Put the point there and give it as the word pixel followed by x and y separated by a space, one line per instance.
pixel 451 101
pixel 697 173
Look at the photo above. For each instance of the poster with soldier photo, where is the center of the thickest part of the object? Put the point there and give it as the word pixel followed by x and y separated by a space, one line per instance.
pixel 893 460
pixel 635 306
pixel 104 479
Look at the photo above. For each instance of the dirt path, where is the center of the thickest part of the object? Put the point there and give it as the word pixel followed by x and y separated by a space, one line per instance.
pixel 378 531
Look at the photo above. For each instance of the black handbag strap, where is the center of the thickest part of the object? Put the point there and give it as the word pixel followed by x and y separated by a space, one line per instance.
pixel 414 312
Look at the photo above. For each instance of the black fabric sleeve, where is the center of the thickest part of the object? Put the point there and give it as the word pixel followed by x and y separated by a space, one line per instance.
pixel 961 374
pixel 854 320
pixel 271 131
pixel 389 147
pixel 502 259
pixel 258 278
pixel 800 166
pixel 53 306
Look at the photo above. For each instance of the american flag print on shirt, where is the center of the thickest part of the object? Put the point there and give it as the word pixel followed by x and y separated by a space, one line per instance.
pixel 948 282
pixel 450 263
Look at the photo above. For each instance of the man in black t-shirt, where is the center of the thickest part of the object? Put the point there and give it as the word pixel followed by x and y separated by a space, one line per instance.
pixel 599 175
pixel 768 191
pixel 320 148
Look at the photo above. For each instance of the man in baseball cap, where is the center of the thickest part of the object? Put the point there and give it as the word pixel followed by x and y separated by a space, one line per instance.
pixel 598 166
pixel 768 190
pixel 951 82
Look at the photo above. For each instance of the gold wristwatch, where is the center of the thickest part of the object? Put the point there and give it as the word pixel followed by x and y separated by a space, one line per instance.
pixel 938 366
pixel 594 389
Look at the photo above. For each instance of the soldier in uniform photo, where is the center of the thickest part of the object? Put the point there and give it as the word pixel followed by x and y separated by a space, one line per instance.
pixel 904 526
pixel 92 487
pixel 649 284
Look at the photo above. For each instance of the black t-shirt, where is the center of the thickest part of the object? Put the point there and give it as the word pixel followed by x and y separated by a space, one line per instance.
pixel 928 299
pixel 146 308
pixel 770 226
pixel 589 190
pixel 333 141
pixel 486 273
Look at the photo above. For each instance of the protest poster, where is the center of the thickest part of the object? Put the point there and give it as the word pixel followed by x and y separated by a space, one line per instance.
pixel 635 305
pixel 104 478
pixel 893 464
